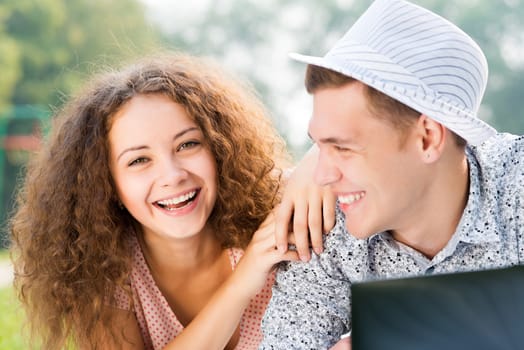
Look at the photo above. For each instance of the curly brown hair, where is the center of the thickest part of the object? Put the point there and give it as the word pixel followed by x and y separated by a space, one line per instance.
pixel 69 235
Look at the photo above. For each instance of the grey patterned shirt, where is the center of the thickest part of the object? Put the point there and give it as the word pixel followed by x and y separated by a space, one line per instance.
pixel 310 307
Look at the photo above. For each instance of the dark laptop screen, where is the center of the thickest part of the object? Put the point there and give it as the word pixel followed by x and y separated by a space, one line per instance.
pixel 471 310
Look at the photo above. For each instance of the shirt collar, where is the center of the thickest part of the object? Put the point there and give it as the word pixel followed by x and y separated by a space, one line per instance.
pixel 474 221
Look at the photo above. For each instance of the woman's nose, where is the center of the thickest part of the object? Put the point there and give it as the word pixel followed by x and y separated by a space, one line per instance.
pixel 173 172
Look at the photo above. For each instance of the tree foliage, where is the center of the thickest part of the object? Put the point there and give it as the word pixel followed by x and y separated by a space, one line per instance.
pixel 47 46
pixel 254 31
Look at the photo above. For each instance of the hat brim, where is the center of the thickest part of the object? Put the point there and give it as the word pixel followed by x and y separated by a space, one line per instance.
pixel 461 121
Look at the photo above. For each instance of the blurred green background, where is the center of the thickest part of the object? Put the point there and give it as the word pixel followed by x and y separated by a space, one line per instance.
pixel 49 47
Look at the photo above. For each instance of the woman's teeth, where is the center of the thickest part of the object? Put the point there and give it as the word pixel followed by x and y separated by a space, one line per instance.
pixel 174 203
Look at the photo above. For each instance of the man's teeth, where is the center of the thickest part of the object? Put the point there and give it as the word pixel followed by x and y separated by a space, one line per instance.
pixel 177 200
pixel 351 198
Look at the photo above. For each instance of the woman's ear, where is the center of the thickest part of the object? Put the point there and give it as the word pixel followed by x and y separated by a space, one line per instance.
pixel 117 202
pixel 432 138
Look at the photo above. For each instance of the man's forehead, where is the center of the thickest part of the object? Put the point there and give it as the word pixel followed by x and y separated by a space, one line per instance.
pixel 321 131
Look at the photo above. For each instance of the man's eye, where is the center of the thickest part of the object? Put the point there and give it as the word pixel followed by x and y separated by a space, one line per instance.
pixel 342 149
pixel 138 161
pixel 189 144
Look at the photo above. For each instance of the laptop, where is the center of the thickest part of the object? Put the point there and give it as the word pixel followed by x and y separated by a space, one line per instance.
pixel 468 310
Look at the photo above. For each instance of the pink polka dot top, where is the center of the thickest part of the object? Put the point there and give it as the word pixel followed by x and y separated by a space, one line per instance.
pixel 157 321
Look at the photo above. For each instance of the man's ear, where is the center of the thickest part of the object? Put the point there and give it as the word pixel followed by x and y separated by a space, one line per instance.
pixel 432 137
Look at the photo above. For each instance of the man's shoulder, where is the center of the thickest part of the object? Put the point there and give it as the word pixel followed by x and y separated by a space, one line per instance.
pixel 343 257
pixel 502 146
pixel 497 181
pixel 500 159
pixel 340 241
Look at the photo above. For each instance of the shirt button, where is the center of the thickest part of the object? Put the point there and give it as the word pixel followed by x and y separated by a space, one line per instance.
pixel 430 270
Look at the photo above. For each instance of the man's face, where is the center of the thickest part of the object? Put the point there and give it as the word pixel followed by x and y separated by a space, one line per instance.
pixel 376 177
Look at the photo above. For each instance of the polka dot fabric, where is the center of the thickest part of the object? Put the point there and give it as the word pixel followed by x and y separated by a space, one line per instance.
pixel 250 332
pixel 159 325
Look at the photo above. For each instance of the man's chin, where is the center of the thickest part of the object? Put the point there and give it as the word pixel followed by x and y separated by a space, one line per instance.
pixel 358 233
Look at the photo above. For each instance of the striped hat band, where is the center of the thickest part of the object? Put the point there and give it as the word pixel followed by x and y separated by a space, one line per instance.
pixel 418 58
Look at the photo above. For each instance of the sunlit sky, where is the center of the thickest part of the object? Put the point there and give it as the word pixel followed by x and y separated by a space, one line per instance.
pixel 288 97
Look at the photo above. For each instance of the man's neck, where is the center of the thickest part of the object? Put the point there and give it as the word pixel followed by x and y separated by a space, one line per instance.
pixel 436 219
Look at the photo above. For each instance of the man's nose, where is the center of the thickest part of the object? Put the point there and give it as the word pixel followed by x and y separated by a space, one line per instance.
pixel 327 171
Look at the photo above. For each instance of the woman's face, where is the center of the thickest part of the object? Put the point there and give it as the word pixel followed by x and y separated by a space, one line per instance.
pixel 164 171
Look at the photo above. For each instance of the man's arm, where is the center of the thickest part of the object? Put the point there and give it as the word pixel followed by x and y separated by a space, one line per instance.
pixel 310 306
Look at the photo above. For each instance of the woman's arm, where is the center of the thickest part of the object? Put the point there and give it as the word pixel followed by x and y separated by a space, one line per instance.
pixel 214 325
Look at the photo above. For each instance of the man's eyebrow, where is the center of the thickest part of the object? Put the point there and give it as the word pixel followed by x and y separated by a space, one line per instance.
pixel 332 140
pixel 310 137
pixel 140 147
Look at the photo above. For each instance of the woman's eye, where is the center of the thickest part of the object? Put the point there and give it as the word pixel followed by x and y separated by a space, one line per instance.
pixel 188 144
pixel 138 161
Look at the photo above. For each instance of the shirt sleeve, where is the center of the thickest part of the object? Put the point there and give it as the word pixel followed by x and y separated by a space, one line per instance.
pixel 310 306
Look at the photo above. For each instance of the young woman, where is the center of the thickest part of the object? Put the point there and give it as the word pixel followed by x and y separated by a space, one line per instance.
pixel 137 211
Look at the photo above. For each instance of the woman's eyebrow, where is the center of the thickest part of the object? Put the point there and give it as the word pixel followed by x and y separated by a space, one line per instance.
pixel 140 147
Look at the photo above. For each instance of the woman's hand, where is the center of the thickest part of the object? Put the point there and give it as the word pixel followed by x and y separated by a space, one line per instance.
pixel 260 257
pixel 216 322
pixel 307 207
pixel 343 344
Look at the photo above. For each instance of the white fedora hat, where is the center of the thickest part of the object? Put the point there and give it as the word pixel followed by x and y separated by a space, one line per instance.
pixel 418 58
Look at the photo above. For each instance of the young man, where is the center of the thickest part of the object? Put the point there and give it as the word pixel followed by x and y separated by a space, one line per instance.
pixel 423 185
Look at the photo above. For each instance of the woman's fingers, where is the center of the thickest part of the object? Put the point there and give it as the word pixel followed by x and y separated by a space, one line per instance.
pixel 329 203
pixel 283 215
pixel 315 222
pixel 300 229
